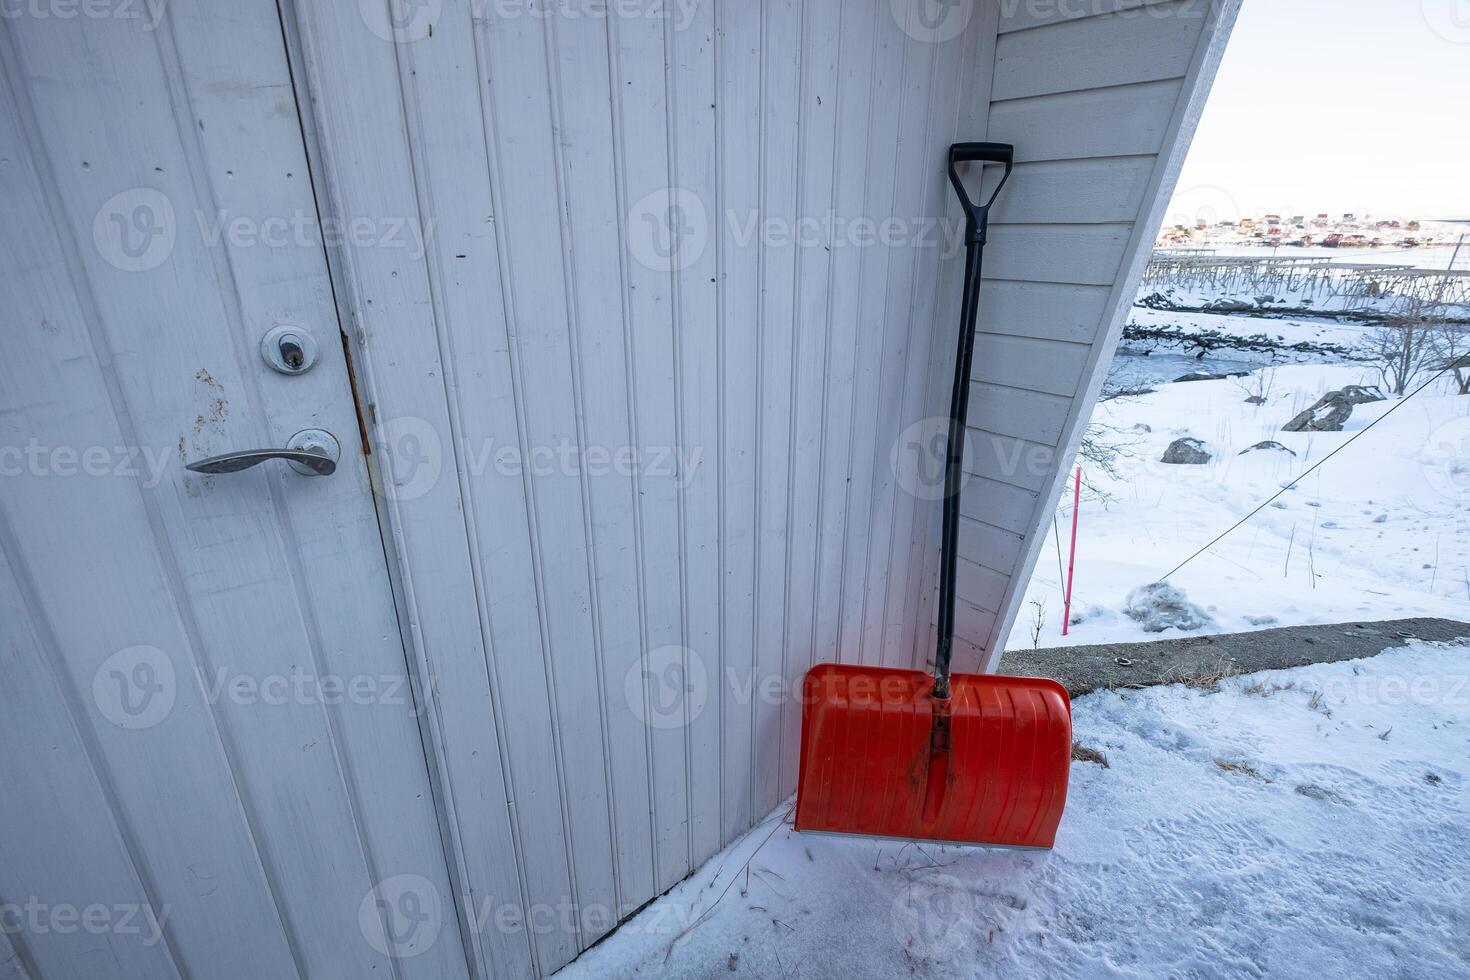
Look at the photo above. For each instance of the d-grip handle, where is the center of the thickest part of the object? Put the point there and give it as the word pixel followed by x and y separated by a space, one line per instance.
pixel 982 153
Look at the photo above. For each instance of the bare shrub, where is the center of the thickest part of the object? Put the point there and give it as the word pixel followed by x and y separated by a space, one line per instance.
pixel 1257 385
pixel 1451 345
pixel 1400 350
pixel 1038 622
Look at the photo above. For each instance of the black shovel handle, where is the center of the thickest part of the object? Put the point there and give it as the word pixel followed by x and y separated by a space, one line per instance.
pixel 981 153
pixel 977 217
pixel 977 214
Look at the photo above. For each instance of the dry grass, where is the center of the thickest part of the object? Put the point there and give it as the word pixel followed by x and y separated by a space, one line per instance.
pixel 1201 678
pixel 1081 753
pixel 1243 768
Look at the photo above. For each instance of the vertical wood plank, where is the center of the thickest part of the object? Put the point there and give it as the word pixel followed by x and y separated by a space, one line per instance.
pixel 652 353
pixel 783 37
pixel 818 99
pixel 739 47
pixel 692 76
pixel 849 182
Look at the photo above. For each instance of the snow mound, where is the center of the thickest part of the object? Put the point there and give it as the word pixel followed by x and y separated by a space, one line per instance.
pixel 1159 606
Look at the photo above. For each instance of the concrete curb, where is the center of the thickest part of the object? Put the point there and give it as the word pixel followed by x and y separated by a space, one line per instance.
pixel 1196 659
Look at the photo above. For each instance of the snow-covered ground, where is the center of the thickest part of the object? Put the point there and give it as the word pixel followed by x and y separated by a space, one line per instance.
pixel 1305 823
pixel 1381 531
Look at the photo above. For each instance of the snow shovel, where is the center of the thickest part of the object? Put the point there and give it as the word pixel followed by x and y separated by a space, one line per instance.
pixel 968 758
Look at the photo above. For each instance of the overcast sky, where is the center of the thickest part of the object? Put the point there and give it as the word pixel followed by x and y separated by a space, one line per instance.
pixel 1337 105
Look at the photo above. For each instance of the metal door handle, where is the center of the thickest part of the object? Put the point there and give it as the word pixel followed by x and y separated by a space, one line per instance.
pixel 311 452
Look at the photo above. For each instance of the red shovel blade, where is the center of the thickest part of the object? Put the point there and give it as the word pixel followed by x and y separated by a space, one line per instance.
pixel 881 757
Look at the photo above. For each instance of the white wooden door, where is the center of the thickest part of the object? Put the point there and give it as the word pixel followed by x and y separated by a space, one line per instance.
pixel 212 760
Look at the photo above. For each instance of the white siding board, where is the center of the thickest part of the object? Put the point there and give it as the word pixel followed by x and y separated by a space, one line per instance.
pixel 1123 121
pixel 651 356
pixel 851 338
pixel 817 132
pixel 1080 254
pixel 1050 366
pixel 914 175
pixel 988 545
pixel 693 78
pixel 779 159
pixel 982 587
pixel 738 123
pixel 1049 311
pixel 1114 49
pixel 1000 504
pixel 591 244
pixel 1020 463
pixel 968 656
pixel 1074 191
pixel 876 345
pixel 1032 415
pixel 474 291
pixel 1020 15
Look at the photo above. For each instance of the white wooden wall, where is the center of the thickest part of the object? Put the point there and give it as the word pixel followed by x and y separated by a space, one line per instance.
pixel 1101 100
pixel 533 146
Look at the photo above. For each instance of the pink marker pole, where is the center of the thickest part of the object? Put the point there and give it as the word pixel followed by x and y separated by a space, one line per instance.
pixel 1072 555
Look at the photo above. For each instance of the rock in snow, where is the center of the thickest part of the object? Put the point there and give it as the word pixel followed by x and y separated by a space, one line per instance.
pixel 1363 394
pixel 1269 444
pixel 1159 606
pixel 1207 376
pixel 1186 451
pixel 1328 415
